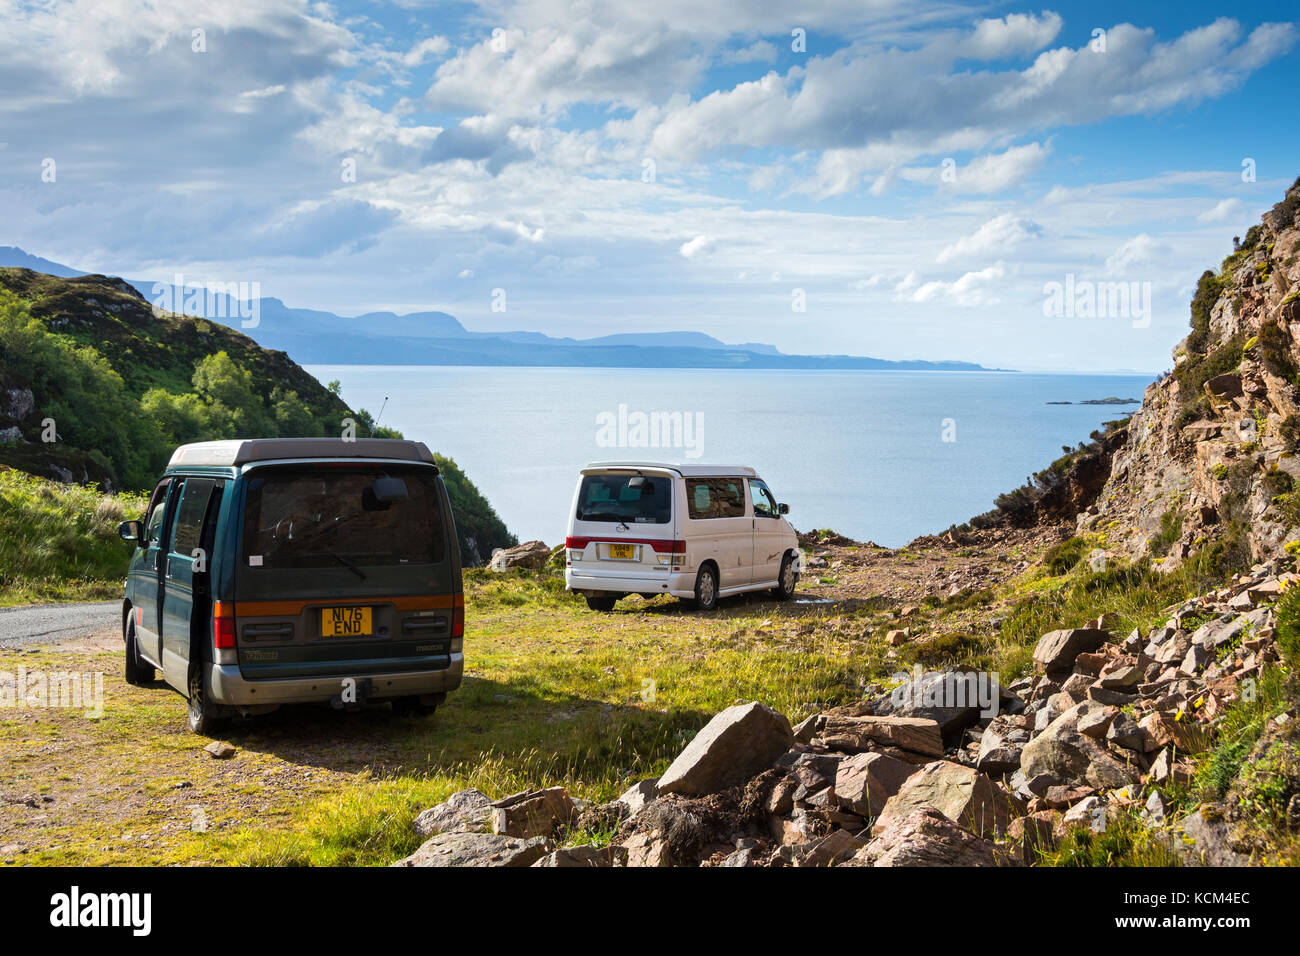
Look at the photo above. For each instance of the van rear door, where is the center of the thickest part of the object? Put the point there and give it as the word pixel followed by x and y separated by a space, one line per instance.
pixel 346 569
pixel 622 525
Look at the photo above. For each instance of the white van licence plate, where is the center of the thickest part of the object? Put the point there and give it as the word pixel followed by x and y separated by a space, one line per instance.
pixel 620 552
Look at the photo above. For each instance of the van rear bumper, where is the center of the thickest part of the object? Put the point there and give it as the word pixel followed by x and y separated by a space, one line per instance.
pixel 679 584
pixel 227 686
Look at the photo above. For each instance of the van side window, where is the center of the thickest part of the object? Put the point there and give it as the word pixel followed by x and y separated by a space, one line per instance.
pixel 189 515
pixel 714 498
pixel 764 503
pixel 153 531
pixel 154 515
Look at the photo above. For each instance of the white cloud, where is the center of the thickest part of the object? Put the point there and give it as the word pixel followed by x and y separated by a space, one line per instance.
pixel 759 52
pixel 429 48
pixel 996 172
pixel 1016 33
pixel 1137 253
pixel 1225 210
pixel 867 109
pixel 970 290
pixel 698 247
pixel 995 236
pixel 264 92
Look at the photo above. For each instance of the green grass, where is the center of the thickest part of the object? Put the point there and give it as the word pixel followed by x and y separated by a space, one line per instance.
pixel 554 695
pixel 59 542
pixel 1125 841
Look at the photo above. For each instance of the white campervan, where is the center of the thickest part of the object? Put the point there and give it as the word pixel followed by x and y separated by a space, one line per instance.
pixel 698 532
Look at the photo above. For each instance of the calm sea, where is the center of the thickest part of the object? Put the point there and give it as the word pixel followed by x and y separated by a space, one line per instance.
pixel 880 456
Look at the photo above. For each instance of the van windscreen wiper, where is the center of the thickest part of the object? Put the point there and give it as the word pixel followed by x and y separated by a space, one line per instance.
pixel 346 563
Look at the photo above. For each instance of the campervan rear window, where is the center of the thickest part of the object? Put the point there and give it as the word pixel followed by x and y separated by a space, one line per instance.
pixel 328 516
pixel 634 499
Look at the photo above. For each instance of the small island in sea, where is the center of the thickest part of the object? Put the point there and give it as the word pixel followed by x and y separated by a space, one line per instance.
pixel 1112 400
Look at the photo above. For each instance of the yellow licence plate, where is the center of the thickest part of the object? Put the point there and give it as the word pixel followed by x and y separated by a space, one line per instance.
pixel 345 622
pixel 622 552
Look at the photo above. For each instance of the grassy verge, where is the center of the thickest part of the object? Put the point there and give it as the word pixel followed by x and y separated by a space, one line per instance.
pixel 59 542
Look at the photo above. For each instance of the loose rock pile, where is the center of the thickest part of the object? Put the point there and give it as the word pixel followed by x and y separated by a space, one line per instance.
pixel 924 775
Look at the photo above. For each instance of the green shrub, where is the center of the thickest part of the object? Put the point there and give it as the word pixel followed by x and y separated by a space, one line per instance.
pixel 1171 528
pixel 1289 432
pixel 1065 556
pixel 1275 347
pixel 1208 289
pixel 1195 372
pixel 1277 482
pixel 1125 841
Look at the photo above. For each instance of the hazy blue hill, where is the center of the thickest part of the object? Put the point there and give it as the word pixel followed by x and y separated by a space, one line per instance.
pixel 436 338
pixel 15 257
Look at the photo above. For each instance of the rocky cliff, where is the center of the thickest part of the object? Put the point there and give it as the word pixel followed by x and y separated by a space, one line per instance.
pixel 1208 465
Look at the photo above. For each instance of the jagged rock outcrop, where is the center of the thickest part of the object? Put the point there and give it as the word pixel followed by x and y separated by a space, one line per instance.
pixel 1210 459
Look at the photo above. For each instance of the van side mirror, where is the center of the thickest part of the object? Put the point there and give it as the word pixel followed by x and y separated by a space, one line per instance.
pixel 783 508
pixel 129 531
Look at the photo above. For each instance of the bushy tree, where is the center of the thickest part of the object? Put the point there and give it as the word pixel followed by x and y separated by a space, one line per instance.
pixel 75 386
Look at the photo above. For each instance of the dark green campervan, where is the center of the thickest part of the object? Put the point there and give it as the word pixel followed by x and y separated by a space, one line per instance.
pixel 296 570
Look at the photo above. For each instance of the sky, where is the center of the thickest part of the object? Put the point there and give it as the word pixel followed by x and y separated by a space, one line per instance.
pixel 894 178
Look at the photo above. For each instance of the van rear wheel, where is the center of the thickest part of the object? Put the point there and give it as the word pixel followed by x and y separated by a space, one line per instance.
pixel 412 707
pixel 706 588
pixel 204 716
pixel 136 672
pixel 603 602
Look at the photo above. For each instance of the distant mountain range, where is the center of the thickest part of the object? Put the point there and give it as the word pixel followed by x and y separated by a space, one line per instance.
pixel 314 337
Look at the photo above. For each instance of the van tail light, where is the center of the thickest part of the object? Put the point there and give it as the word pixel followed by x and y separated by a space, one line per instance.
pixel 223 626
pixel 659 546
pixel 458 621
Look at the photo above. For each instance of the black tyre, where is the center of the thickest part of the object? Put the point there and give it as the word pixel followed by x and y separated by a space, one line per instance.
pixel 205 717
pixel 787 581
pixel 411 707
pixel 706 588
pixel 602 603
pixel 136 671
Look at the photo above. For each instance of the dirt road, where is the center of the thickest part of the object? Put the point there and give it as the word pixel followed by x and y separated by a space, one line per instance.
pixel 49 623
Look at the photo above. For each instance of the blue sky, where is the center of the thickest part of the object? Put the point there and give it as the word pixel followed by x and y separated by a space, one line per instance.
pixel 915 177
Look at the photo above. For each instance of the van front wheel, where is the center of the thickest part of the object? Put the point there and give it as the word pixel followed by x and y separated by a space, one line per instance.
pixel 136 672
pixel 785 584
pixel 603 602
pixel 204 716
pixel 706 588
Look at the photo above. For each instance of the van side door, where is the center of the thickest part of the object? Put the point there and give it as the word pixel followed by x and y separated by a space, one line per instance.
pixel 721 528
pixel 184 564
pixel 145 575
pixel 769 533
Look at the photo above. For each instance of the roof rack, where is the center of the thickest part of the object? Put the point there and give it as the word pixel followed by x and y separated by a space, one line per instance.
pixel 237 451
